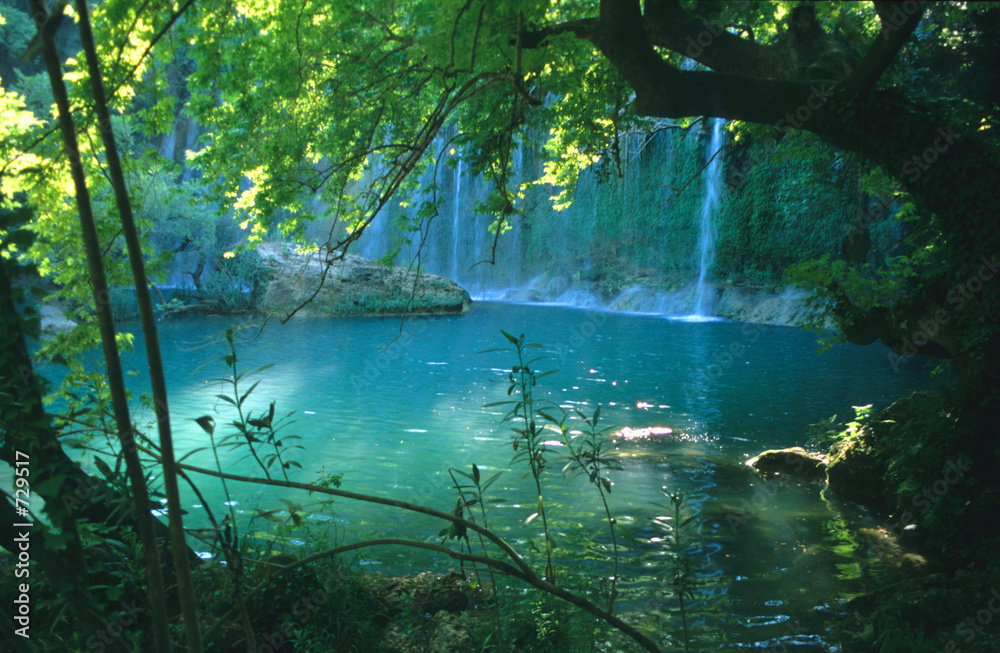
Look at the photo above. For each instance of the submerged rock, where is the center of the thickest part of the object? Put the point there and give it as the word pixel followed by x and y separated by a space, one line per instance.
pixel 354 286
pixel 794 461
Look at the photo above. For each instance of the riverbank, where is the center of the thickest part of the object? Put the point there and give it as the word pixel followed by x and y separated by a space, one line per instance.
pixel 923 534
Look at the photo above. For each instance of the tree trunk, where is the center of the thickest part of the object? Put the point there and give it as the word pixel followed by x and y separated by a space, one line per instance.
pixel 185 588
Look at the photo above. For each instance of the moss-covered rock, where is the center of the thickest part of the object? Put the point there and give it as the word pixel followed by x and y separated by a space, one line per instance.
pixel 450 634
pixel 352 285
pixel 854 472
pixel 794 461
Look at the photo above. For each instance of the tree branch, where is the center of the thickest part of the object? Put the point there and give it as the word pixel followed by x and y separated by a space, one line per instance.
pixel 883 50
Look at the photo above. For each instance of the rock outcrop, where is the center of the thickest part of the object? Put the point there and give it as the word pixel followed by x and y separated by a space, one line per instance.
pixel 667 296
pixel 54 321
pixel 354 286
pixel 794 461
pixel 787 309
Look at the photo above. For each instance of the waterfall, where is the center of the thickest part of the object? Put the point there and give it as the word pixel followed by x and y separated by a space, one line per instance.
pixel 708 208
pixel 455 220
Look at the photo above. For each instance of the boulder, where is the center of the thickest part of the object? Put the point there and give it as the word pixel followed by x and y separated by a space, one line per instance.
pixel 54 321
pixel 354 286
pixel 794 461
pixel 855 473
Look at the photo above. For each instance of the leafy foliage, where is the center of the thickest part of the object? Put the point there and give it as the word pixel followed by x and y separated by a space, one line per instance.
pixel 253 432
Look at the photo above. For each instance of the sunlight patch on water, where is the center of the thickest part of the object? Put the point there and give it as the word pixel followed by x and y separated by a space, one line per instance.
pixel 759 543
pixel 694 318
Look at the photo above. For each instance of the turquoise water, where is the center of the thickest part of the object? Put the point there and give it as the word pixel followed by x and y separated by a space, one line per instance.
pixel 393 416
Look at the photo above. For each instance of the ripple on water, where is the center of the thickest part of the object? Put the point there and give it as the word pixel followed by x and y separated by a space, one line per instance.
pixel 764 620
pixel 755 548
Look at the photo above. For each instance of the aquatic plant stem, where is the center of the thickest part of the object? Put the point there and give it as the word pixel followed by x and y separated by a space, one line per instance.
pixel 482 544
pixel 590 462
pixel 535 461
pixel 519 569
pixel 231 360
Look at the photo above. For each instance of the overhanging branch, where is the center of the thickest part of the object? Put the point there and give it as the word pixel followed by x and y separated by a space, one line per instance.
pixel 897 26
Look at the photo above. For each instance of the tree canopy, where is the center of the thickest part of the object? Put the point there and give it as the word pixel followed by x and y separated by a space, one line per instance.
pixel 312 111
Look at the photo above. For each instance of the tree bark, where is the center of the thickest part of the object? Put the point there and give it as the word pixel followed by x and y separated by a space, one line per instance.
pixel 185 588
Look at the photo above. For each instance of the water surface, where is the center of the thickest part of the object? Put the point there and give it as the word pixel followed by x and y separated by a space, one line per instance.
pixel 394 405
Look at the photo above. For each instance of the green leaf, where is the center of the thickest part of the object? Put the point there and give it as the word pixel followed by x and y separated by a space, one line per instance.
pixel 247 393
pixel 625 533
pixel 260 369
pixel 207 423
pixel 491 480
pixel 191 453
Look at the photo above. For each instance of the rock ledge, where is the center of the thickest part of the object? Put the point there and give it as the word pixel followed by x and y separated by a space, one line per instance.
pixel 354 286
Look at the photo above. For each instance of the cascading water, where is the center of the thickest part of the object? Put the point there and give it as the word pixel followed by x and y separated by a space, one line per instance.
pixel 456 213
pixel 448 250
pixel 706 241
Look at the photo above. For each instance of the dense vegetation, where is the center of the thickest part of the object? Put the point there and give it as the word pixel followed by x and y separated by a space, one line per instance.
pixel 861 151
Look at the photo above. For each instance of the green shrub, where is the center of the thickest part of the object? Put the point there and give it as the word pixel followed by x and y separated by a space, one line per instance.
pixel 124 305
pixel 238 283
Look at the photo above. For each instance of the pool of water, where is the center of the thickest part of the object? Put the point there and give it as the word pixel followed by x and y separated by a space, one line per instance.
pixel 394 405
